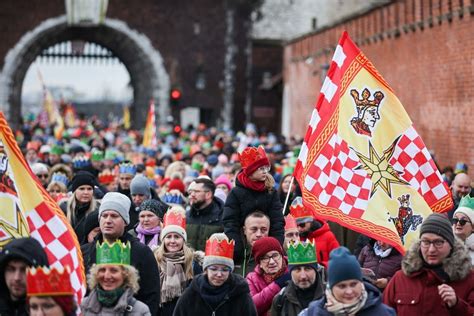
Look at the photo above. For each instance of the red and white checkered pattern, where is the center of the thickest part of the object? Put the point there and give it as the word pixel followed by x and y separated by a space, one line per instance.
pixel 333 180
pixel 419 169
pixel 48 228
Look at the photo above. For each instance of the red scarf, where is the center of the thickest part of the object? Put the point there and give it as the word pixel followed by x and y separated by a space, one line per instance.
pixel 250 184
pixel 269 278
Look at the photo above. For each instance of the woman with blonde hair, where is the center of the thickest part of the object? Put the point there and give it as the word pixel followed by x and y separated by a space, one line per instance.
pixel 175 170
pixel 178 263
pixel 80 203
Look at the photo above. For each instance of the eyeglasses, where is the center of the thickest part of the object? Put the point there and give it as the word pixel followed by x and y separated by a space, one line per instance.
pixel 266 259
pixel 438 243
pixel 461 222
pixel 264 169
pixel 217 269
pixel 196 191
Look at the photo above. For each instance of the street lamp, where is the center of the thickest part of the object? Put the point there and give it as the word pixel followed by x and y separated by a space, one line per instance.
pixel 86 12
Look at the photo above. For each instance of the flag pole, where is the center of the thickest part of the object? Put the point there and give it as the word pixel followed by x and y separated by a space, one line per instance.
pixel 288 194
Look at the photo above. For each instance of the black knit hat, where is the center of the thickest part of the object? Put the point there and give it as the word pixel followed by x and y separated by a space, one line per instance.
pixel 82 178
pixel 438 224
pixel 157 207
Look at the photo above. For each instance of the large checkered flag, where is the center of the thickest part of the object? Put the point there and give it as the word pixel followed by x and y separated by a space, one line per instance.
pixel 362 163
pixel 45 220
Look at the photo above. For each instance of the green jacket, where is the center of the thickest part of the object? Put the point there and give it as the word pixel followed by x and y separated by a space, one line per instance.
pixel 247 265
pixel 201 224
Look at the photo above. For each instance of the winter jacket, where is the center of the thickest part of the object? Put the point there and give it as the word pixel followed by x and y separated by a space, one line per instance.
pixel 382 267
pixel 324 239
pixel 143 260
pixel 236 303
pixel 414 289
pixel 247 264
pixel 242 201
pixel 261 292
pixel 286 302
pixel 126 305
pixel 372 307
pixel 201 224
pixel 470 246
pixel 29 250
pixel 79 224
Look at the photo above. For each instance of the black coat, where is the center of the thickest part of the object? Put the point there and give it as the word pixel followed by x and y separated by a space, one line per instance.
pixel 241 202
pixel 143 260
pixel 237 302
pixel 29 250
pixel 201 224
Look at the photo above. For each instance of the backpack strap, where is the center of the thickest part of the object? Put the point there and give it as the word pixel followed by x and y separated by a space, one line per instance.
pixel 130 303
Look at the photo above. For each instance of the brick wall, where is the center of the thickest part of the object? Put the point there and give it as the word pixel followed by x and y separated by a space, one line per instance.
pixel 423 48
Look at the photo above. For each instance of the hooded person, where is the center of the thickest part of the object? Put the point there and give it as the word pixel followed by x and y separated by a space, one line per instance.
pixel 15 257
pixel 217 291
pixel 436 276
pixel 346 292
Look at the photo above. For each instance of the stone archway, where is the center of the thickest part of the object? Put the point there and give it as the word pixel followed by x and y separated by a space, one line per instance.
pixel 144 64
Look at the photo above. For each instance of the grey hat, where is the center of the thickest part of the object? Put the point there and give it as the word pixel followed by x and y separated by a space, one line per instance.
pixel 438 224
pixel 140 185
pixel 117 202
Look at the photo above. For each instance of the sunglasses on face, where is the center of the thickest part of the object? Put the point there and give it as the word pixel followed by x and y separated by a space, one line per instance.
pixel 461 222
pixel 302 225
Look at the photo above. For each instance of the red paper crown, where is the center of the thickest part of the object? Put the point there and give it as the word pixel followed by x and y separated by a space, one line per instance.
pixel 44 281
pixel 106 177
pixel 290 222
pixel 298 210
pixel 176 218
pixel 220 248
pixel 252 155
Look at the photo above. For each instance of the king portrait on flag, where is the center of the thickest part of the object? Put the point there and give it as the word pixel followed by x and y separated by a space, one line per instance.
pixel 362 163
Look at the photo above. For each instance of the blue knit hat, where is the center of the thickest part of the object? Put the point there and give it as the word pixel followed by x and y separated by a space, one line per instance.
pixel 342 266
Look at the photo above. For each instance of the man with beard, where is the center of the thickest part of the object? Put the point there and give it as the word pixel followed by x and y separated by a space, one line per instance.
pixel 15 258
pixel 204 215
pixel 307 281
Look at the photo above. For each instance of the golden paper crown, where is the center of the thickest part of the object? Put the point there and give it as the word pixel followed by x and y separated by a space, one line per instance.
pixel 44 281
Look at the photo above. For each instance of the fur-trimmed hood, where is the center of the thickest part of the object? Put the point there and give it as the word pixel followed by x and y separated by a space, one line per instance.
pixel 457 266
pixel 199 257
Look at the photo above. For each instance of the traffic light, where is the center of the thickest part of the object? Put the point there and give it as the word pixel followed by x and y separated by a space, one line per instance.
pixel 175 96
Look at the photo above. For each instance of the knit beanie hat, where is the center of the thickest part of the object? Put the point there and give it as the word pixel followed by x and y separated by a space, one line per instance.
pixel 223 179
pixel 176 184
pixel 82 178
pixel 140 185
pixel 156 207
pixel 342 266
pixel 219 250
pixel 438 224
pixel 264 245
pixel 117 202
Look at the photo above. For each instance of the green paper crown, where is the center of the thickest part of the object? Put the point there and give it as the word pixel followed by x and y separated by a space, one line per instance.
pixel 467 201
pixel 97 155
pixel 56 150
pixel 302 253
pixel 116 253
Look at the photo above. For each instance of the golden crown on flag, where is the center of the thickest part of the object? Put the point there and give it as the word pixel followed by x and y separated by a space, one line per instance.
pixel 365 102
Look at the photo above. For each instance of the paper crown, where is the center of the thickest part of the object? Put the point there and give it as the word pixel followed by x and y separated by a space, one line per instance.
pixel 116 253
pixel 60 177
pixel 56 150
pixel 252 155
pixel 110 154
pixel 44 281
pixel 220 248
pixel 97 155
pixel 106 177
pixel 302 253
pixel 290 222
pixel 299 211
pixel 169 198
pixel 32 145
pixel 127 168
pixel 175 218
pixel 467 201
pixel 81 162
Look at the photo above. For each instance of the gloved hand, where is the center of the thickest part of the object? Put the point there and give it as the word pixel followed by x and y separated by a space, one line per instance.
pixel 282 279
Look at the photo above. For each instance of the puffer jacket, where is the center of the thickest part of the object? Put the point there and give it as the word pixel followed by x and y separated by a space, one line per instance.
pixel 242 201
pixel 201 224
pixel 261 292
pixel 414 289
pixel 372 307
pixel 470 246
pixel 324 239
pixel 382 267
pixel 126 305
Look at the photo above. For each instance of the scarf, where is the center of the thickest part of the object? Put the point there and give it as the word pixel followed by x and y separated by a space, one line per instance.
pixel 258 186
pixel 213 295
pixel 380 252
pixel 341 309
pixel 438 270
pixel 109 298
pixel 172 277
pixel 269 278
pixel 155 232
pixel 305 296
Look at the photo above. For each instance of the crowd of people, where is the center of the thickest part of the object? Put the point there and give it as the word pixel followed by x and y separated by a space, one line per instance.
pixel 198 226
